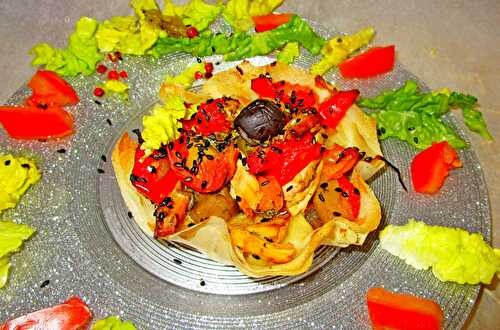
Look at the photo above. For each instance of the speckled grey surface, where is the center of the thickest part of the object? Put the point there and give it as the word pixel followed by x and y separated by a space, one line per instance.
pixel 74 247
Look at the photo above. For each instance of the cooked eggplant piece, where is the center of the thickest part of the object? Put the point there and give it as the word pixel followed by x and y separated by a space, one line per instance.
pixel 259 121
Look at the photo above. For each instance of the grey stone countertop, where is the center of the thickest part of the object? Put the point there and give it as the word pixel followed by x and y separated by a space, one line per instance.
pixel 454 44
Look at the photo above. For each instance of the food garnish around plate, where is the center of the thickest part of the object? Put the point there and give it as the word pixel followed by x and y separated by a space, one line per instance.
pixel 454 254
pixel 73 314
pixel 113 323
pixel 12 236
pixel 399 311
pixel 258 222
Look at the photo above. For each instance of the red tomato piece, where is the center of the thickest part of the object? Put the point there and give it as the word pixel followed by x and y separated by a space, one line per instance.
pixel 49 89
pixel 71 315
pixel 284 159
pixel 333 109
pixel 390 310
pixel 270 21
pixel 374 61
pixel 152 176
pixel 36 123
pixel 430 167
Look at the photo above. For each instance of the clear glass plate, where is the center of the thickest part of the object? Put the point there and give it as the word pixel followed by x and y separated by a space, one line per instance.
pixel 87 245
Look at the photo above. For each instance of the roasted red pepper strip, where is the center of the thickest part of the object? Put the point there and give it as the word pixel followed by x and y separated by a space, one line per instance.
pixel 333 109
pixel 430 167
pixel 338 160
pixel 200 166
pixel 402 311
pixel 352 195
pixel 210 118
pixel 284 159
pixel 270 21
pixel 152 176
pixel 36 123
pixel 48 89
pixel 374 61
pixel 71 315
pixel 295 97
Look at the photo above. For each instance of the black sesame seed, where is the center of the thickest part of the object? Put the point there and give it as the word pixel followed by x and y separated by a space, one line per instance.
pixel 61 151
pixel 368 159
pixel 244 161
pixel 25 165
pixel 411 128
pixel 171 145
pixel 44 284
pixel 160 216
pixel 97 102
pixel 289 188
pixel 338 189
pixel 194 170
pixel 356 191
pixel 382 130
pixel 268 239
pixel 7 162
pixel 100 171
pixel 178 155
pixel 321 197
pixel 337 214
pixel 130 215
pixel 256 256
pixel 188 179
pixel 213 49
pixel 202 283
pixel 324 136
pixel 177 164
pixel 238 198
pixel 264 183
pixel 265 219
pixel 151 169
pixel 177 261
pixel 209 157
pixel 345 194
pixel 103 158
pixel 204 184
pixel 324 185
pixel 415 139
pixel 190 224
pixel 198 60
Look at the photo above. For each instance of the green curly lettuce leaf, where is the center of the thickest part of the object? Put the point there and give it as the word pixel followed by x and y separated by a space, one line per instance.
pixel 239 13
pixel 240 45
pixel 80 56
pixel 415 117
pixel 113 323
pixel 289 53
pixel 12 236
pixel 296 30
pixel 196 13
pixel 17 174
pixel 453 254
pixel 473 119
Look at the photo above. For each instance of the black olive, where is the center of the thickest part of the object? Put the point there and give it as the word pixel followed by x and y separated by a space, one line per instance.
pixel 260 121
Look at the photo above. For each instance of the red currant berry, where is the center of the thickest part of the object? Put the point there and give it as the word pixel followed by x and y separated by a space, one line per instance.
pixel 113 75
pixel 198 75
pixel 123 74
pixel 209 67
pixel 191 32
pixel 98 91
pixel 101 68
